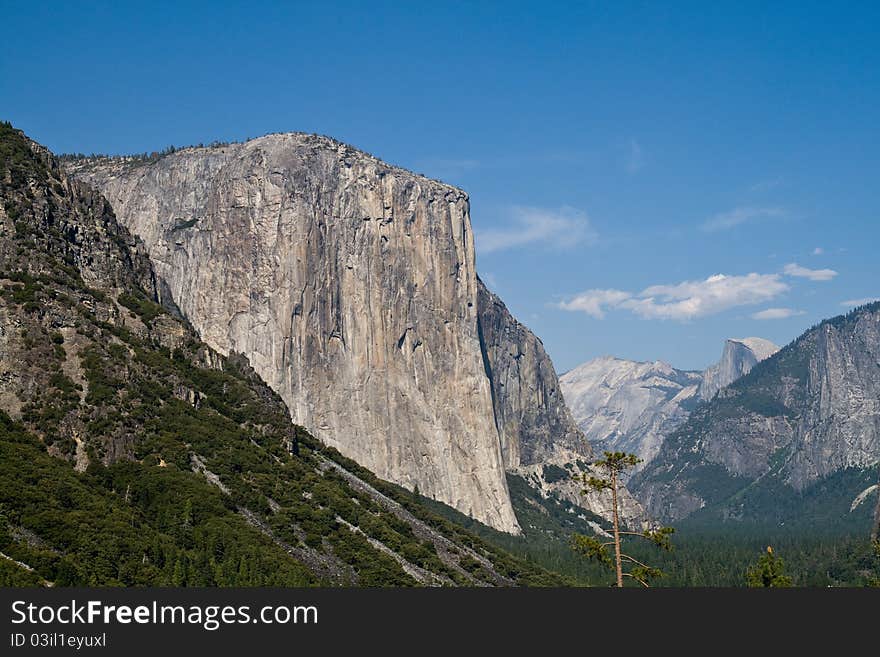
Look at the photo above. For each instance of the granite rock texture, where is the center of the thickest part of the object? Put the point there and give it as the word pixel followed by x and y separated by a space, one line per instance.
pixel 350 286
pixel 737 359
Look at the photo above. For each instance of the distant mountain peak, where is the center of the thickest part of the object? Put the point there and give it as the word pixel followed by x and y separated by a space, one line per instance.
pixel 740 355
pixel 760 347
pixel 633 405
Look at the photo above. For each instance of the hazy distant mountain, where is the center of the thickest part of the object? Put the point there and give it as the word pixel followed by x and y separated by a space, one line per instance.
pixel 632 406
pixel 629 406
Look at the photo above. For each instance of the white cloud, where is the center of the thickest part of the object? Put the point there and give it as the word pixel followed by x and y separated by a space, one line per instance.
pixel 593 302
pixel 793 269
pixel 855 303
pixel 562 228
pixel 635 159
pixel 777 313
pixel 737 216
pixel 683 301
pixel 818 251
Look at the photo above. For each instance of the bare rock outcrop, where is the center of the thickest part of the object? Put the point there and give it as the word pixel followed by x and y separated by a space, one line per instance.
pixel 737 360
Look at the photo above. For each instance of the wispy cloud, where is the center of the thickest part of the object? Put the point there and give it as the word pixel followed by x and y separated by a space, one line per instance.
pixel 855 303
pixel 561 228
pixel 794 269
pixel 777 313
pixel 818 251
pixel 595 302
pixel 635 158
pixel 739 216
pixel 683 301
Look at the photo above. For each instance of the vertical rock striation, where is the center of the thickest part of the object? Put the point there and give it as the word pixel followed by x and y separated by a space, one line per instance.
pixel 539 438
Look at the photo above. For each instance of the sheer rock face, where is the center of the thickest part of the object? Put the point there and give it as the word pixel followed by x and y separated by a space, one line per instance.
pixel 535 424
pixel 737 359
pixel 807 412
pixel 349 285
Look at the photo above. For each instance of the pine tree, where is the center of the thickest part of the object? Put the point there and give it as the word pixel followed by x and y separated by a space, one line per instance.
pixel 768 572
pixel 186 519
pixel 612 465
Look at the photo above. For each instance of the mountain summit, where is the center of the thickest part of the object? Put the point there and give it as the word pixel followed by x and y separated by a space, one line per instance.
pixel 738 358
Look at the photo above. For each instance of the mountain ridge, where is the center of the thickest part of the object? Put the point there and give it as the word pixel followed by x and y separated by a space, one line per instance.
pixel 803 415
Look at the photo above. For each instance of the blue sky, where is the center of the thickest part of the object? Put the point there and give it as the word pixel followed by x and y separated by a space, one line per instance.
pixel 621 158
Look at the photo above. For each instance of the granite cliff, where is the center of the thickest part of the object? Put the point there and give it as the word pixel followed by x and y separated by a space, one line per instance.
pixel 737 359
pixel 535 424
pixel 350 285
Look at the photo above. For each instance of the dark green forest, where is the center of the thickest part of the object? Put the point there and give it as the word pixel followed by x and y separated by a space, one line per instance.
pixel 706 552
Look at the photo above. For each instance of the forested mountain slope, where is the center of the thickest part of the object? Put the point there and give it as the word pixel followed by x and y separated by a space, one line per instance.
pixel 804 421
pixel 133 454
